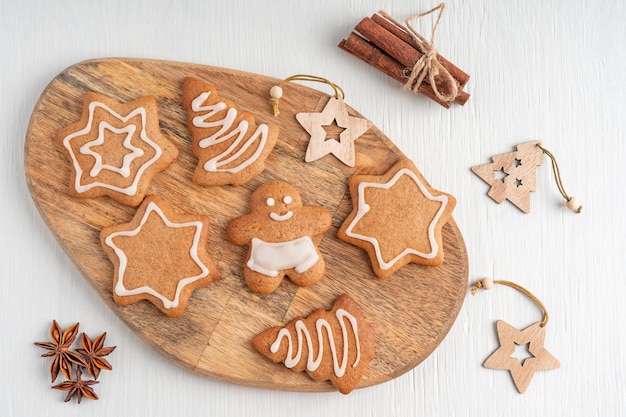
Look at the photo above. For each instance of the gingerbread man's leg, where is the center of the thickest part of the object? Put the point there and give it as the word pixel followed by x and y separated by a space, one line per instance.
pixel 260 283
pixel 309 276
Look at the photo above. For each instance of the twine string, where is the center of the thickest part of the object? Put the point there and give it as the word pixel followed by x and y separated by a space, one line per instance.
pixel 544 320
pixel 427 66
pixel 557 175
pixel 339 93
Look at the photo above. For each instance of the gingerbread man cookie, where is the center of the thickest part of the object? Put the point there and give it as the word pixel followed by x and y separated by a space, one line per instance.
pixel 279 232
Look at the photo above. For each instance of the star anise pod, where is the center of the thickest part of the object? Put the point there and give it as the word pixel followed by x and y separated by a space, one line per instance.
pixel 94 352
pixel 60 349
pixel 79 388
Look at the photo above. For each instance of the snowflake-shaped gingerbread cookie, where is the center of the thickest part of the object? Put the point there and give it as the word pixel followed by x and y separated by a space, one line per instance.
pixel 115 149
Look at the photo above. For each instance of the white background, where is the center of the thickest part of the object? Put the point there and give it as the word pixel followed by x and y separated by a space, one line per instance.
pixel 549 70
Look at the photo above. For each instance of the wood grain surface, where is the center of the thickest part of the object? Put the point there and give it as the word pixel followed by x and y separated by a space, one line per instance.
pixel 411 311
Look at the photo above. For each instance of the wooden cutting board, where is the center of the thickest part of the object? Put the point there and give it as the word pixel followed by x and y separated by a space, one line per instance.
pixel 411 311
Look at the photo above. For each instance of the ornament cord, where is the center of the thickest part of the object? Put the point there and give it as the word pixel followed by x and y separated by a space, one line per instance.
pixel 544 321
pixel 339 93
pixel 557 176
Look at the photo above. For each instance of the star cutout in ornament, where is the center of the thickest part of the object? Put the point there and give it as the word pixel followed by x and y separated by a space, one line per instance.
pixel 159 256
pixel 319 146
pixel 397 218
pixel 100 163
pixel 522 372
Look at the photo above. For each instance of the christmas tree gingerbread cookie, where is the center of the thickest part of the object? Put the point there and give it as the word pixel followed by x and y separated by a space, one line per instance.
pixel 397 218
pixel 279 233
pixel 231 148
pixel 335 345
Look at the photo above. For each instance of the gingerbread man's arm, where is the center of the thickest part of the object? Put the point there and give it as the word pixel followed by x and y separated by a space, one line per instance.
pixel 315 220
pixel 241 230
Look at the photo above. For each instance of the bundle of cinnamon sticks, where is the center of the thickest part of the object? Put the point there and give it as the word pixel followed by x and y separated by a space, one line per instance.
pixel 391 49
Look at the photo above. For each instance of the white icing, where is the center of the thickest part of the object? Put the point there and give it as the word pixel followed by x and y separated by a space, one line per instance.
pixel 281 217
pixel 216 163
pixel 122 291
pixel 303 333
pixel 270 202
pixel 363 208
pixel 131 189
pixel 287 199
pixel 135 152
pixel 269 258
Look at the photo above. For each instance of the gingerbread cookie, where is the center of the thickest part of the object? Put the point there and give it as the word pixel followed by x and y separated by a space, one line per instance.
pixel 335 345
pixel 115 149
pixel 231 148
pixel 397 218
pixel 159 256
pixel 279 232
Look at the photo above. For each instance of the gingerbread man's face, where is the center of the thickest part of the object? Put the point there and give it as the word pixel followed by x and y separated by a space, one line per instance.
pixel 275 200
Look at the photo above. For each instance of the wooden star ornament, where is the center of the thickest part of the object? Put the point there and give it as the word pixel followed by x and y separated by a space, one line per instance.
pixel 522 371
pixel 320 145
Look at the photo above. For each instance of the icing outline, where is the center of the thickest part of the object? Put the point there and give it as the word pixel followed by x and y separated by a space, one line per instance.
pixel 122 291
pixel 131 189
pixel 363 208
pixel 135 153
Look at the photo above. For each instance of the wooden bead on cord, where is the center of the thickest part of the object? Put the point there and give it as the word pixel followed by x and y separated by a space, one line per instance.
pixel 574 204
pixel 276 92
pixel 487 283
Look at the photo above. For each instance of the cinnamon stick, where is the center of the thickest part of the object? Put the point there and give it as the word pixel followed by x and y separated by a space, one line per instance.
pixel 402 34
pixel 391 49
pixel 372 55
pixel 397 48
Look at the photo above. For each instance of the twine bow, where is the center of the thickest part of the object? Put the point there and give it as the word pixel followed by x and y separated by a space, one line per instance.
pixel 428 66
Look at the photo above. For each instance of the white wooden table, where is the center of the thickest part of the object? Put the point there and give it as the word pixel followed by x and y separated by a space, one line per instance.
pixel 550 70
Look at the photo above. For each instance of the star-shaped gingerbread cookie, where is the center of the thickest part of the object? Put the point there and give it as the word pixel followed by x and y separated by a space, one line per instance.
pixel 397 218
pixel 115 149
pixel 521 372
pixel 159 256
pixel 320 145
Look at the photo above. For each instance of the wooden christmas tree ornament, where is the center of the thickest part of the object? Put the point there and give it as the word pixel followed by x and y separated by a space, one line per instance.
pixel 316 123
pixel 539 359
pixel 512 176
